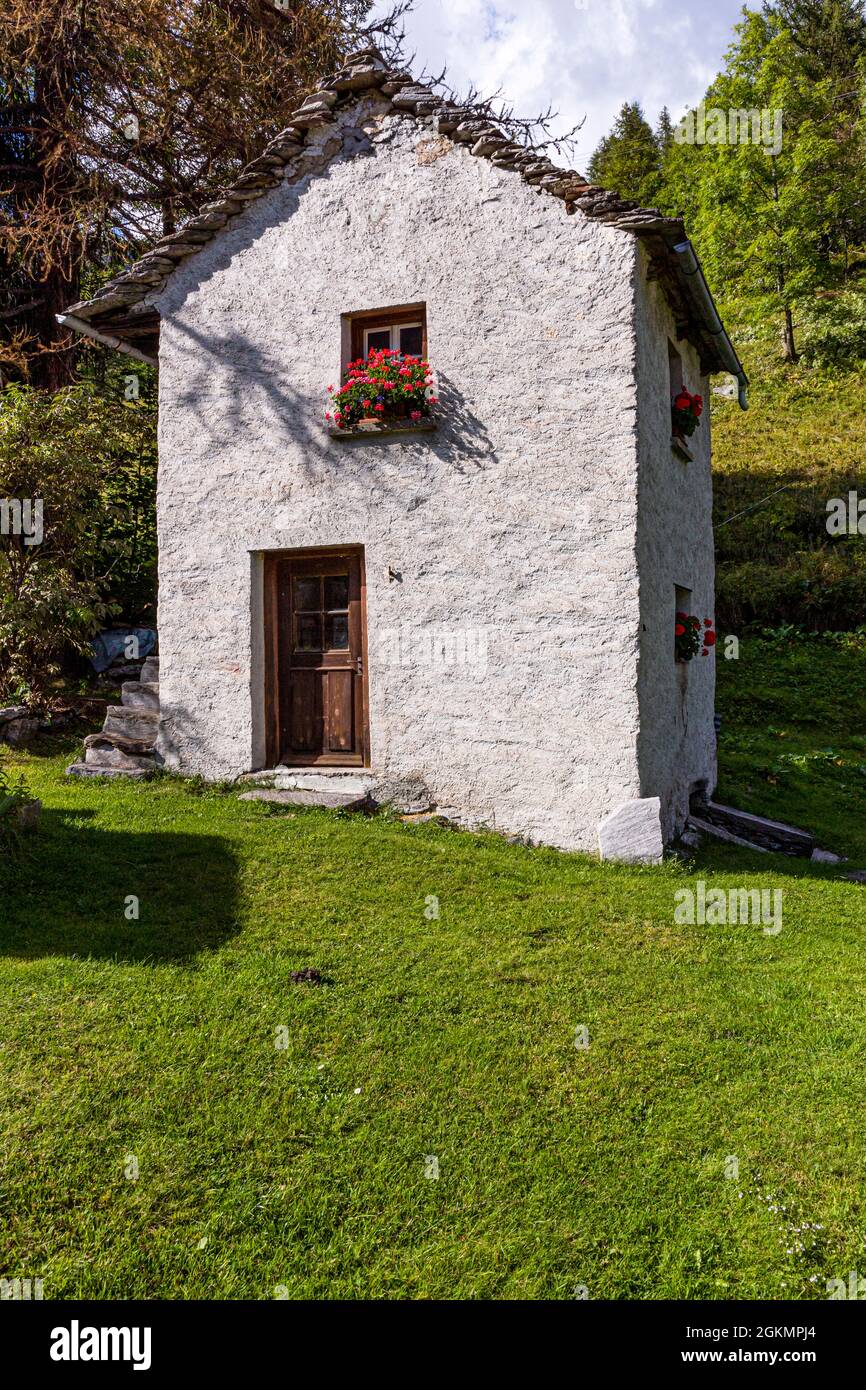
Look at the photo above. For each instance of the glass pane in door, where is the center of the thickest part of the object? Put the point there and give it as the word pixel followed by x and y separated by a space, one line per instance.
pixel 307 594
pixel 337 632
pixel 309 633
pixel 336 591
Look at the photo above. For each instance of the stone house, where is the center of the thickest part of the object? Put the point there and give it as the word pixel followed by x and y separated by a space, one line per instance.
pixel 474 609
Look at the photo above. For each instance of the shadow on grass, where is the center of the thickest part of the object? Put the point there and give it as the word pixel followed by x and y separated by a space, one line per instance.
pixel 72 889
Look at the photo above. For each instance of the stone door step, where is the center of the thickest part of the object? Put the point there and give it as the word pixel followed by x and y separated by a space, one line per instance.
pixel 140 695
pixel 132 723
pixel 357 785
pixel 329 798
pixel 348 779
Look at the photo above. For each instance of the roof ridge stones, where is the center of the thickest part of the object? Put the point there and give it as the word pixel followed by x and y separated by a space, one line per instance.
pixel 364 71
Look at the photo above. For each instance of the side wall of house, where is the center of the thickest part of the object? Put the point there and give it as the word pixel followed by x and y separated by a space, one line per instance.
pixel 515 523
pixel 676 748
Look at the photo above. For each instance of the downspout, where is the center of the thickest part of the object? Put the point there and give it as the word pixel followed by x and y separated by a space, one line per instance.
pixel 79 326
pixel 711 323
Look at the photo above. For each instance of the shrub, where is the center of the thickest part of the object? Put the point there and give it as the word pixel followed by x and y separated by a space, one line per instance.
pixel 13 795
pixel 90 462
pixel 834 329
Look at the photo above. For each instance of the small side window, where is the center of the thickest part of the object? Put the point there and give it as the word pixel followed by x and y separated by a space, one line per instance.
pixel 675 370
pixel 402 329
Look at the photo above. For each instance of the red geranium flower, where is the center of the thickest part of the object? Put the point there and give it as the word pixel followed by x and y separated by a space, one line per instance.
pixel 710 639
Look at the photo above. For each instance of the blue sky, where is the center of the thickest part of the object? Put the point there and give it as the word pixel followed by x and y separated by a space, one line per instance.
pixel 583 57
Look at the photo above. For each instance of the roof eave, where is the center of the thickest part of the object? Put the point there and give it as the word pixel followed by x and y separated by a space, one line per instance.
pixel 122 314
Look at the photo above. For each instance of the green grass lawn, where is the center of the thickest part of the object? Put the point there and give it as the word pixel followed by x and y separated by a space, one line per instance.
pixel 303 1167
pixel 793 740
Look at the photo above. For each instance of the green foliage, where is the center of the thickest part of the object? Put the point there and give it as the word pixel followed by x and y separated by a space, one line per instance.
pixel 834 329
pixel 13 795
pixel 629 159
pixel 828 34
pixel 775 205
pixel 92 463
pixel 772 221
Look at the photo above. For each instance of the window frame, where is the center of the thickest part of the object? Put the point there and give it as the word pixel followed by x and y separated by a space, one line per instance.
pixel 360 324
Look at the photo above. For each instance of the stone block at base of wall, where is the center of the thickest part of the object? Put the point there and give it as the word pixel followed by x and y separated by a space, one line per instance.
pixel 16 727
pixel 633 832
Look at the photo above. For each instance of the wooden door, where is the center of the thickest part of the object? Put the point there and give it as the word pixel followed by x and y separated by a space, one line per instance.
pixel 314 613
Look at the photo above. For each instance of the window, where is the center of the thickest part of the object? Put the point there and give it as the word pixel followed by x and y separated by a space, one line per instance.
pixel 675 370
pixel 401 329
pixel 407 339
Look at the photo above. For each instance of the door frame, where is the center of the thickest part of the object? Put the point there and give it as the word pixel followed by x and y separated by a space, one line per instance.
pixel 273 652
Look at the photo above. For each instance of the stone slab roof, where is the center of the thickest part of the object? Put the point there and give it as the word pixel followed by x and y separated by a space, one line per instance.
pixel 122 315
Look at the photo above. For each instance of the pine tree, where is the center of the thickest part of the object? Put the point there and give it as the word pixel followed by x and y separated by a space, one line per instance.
pixel 627 160
pixel 829 36
pixel 664 132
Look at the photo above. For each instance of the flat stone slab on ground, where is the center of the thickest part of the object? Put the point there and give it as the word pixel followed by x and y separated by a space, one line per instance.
pixel 91 770
pixel 633 832
pixel 329 799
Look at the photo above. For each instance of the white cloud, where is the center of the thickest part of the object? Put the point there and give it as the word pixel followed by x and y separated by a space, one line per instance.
pixel 582 57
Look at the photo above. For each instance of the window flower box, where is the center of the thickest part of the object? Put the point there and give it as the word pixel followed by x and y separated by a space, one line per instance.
pixel 692 636
pixel 685 417
pixel 380 429
pixel 386 393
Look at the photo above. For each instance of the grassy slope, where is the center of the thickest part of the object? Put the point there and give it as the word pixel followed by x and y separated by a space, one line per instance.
pixel 793 740
pixel 807 429
pixel 452 1037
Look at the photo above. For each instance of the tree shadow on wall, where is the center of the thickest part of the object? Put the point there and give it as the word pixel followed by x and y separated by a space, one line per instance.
pixel 69 890
pixel 263 408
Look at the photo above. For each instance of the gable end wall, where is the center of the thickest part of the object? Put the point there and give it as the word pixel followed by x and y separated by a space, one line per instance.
pixel 516 520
